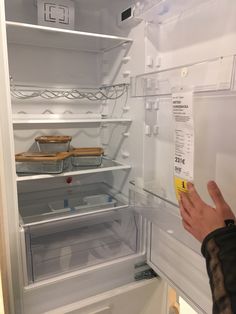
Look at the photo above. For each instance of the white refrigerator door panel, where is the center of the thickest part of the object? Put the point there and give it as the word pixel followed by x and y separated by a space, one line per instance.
pixel 145 297
pixel 182 267
pixel 173 253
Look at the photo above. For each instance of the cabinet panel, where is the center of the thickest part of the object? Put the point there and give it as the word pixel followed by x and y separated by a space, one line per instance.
pixel 145 297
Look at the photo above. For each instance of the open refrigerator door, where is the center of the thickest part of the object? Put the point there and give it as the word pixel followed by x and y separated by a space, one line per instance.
pixel 189 111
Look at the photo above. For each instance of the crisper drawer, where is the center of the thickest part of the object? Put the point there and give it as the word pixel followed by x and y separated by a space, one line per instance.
pixel 172 252
pixel 58 247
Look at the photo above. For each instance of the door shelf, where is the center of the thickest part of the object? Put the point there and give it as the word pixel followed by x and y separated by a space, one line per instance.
pixel 42 36
pixel 43 207
pixel 163 11
pixel 164 215
pixel 66 246
pixel 107 165
pixel 206 76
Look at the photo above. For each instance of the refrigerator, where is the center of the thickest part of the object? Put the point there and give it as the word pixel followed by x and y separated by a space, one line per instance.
pixel 151 84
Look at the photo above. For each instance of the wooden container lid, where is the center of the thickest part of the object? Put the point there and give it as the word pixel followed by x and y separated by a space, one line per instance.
pixel 53 139
pixel 40 157
pixel 87 151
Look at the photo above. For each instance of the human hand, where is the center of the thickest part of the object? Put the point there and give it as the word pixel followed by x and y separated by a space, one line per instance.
pixel 199 218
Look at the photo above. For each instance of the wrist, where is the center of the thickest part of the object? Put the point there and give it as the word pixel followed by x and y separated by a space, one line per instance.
pixel 218 234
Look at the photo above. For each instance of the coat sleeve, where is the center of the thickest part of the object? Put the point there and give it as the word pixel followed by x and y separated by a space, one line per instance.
pixel 219 250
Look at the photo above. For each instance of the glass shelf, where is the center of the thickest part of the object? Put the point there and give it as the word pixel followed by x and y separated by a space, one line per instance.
pixel 29 119
pixel 154 190
pixel 209 75
pixel 35 35
pixel 107 165
pixel 41 207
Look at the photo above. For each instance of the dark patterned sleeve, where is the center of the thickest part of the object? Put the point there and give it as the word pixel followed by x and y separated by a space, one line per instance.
pixel 219 250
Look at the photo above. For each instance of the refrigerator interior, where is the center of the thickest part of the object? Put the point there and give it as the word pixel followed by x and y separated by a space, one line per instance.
pixel 76 227
pixel 77 84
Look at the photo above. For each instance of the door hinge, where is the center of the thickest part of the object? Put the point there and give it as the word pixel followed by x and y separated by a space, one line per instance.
pixel 143 271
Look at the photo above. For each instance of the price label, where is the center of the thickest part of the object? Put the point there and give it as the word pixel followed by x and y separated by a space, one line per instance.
pixel 180 186
pixel 180 160
pixel 182 104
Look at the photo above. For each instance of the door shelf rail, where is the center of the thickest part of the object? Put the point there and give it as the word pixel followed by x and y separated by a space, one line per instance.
pixel 107 165
pixel 42 36
pixel 106 92
pixel 217 74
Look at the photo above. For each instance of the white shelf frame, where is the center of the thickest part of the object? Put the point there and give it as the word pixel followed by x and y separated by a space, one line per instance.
pixel 27 122
pixel 117 166
pixel 67 217
pixel 36 35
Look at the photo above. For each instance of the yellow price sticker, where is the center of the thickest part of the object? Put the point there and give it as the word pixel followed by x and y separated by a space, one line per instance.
pixel 180 186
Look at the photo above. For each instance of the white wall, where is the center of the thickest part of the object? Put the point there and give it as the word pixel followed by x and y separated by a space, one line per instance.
pixel 185 308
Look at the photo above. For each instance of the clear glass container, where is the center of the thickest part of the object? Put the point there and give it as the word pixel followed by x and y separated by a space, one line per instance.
pixel 36 163
pixel 87 157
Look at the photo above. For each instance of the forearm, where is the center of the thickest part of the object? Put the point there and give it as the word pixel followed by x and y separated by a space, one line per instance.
pixel 219 249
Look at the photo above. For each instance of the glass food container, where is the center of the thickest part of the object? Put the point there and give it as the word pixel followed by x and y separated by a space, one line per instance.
pixel 42 163
pixel 87 157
